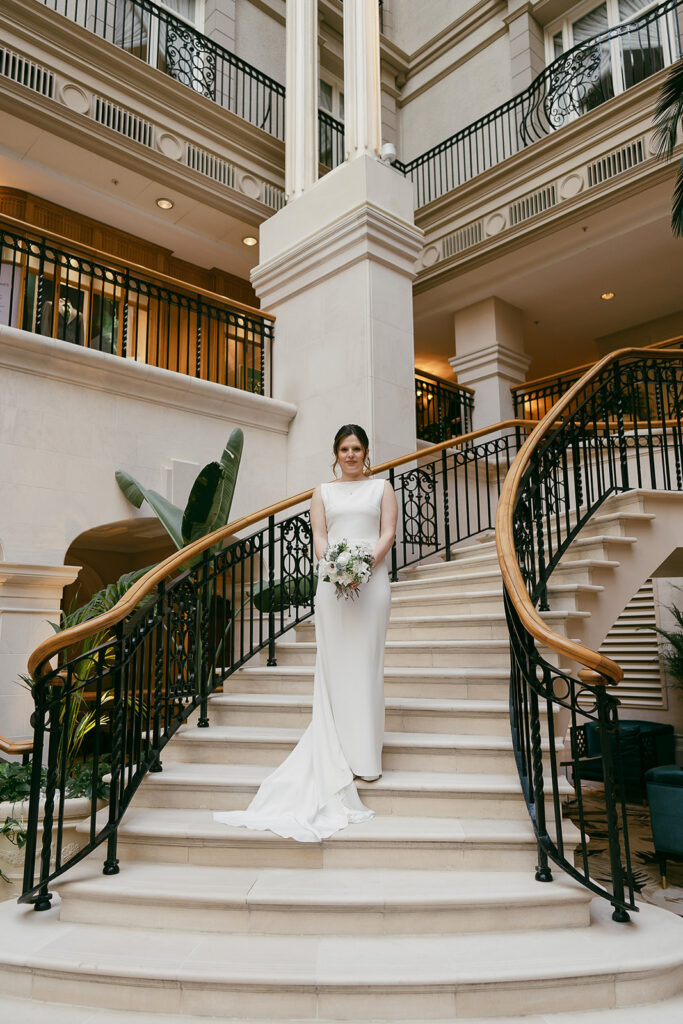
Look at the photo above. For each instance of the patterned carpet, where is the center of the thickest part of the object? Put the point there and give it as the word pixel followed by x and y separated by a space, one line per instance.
pixel 645 864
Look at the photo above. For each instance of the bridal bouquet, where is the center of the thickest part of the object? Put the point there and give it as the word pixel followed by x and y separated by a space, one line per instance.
pixel 346 564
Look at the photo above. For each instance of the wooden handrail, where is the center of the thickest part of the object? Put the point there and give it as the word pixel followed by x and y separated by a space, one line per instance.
pixel 505 545
pixel 16 747
pixel 147 583
pixel 136 268
pixel 446 383
pixel 584 366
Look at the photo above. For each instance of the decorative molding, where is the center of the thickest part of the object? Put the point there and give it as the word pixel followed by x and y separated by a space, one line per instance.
pixel 48 358
pixel 593 162
pixel 365 233
pixel 494 360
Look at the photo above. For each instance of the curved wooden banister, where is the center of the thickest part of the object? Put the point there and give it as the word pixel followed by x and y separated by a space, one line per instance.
pixel 514 388
pixel 17 748
pixel 177 561
pixel 507 557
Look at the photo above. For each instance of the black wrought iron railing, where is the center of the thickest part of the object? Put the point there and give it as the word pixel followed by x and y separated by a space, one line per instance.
pixel 173 46
pixel 56 291
pixel 330 140
pixel 442 409
pixel 535 398
pixel 176 48
pixel 577 82
pixel 619 427
pixel 141 670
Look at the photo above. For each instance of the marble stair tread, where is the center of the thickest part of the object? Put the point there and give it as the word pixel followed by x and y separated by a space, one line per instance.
pixel 249 777
pixel 294 700
pixel 192 825
pixel 390 672
pixel 414 740
pixel 346 888
pixel 23 1011
pixel 408 645
pixel 36 943
pixel 444 571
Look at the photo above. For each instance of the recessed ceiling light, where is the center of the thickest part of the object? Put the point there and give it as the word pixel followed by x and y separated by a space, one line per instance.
pixel 607 296
pixel 250 240
pixel 165 204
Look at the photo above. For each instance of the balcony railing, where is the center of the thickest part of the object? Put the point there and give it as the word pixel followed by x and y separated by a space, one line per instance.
pixel 47 288
pixel 578 81
pixel 442 409
pixel 533 399
pixel 330 140
pixel 173 46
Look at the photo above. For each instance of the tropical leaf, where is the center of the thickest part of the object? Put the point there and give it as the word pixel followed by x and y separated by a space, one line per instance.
pixel 169 515
pixel 668 119
pixel 230 461
pixel 285 594
pixel 204 503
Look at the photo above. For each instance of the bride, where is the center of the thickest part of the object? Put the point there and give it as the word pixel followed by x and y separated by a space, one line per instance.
pixel 312 794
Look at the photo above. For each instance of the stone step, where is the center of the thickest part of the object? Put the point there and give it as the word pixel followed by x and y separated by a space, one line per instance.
pixel 404 751
pixel 229 787
pixel 454 601
pixel 265 901
pixel 192 837
pixel 409 714
pixel 339 978
pixel 477 683
pixel 483 626
pixel 24 1011
pixel 413 653
pixel 603 546
pixel 421 580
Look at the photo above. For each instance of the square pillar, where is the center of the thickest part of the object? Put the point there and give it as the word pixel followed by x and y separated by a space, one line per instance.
pixel 336 269
pixel 490 357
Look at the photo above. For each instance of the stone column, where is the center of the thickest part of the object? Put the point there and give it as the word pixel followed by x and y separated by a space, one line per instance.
pixel 30 598
pixel 362 94
pixel 301 100
pixel 490 357
pixel 336 269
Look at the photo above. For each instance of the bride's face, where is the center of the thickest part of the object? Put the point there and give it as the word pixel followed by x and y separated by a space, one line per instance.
pixel 351 456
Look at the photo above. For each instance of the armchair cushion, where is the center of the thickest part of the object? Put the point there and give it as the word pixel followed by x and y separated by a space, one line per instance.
pixel 665 797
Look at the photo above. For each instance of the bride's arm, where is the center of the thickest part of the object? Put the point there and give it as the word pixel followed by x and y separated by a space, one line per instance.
pixel 387 523
pixel 318 524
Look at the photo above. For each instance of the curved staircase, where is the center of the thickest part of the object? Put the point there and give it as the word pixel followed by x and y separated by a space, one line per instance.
pixel 430 911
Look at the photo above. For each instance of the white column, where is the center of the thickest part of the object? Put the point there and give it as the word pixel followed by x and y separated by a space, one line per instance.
pixel 301 100
pixel 30 598
pixel 490 357
pixel 362 94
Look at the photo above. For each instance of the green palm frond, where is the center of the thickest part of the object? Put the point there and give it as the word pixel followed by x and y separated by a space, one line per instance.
pixel 668 120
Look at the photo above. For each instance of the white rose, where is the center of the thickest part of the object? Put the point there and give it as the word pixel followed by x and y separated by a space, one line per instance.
pixel 344 558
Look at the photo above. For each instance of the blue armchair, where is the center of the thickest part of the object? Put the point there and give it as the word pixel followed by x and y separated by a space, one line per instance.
pixel 665 797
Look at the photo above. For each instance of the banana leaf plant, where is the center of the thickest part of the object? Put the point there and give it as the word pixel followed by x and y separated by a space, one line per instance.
pixel 208 506
pixel 207 509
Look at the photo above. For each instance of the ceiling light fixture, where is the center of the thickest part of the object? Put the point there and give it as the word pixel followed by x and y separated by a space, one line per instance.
pixel 250 240
pixel 607 296
pixel 165 204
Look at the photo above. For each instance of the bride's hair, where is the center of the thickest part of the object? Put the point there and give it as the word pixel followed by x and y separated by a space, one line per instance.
pixel 349 430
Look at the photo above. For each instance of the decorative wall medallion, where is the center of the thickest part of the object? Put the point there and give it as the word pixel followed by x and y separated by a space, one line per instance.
pixel 571 186
pixel 170 146
pixel 495 224
pixel 430 256
pixel 75 98
pixel 250 186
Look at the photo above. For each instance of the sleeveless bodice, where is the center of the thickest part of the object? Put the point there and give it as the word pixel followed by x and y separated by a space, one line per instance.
pixel 352 510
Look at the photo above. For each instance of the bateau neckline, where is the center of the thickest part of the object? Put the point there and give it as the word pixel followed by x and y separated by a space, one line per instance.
pixel 352 481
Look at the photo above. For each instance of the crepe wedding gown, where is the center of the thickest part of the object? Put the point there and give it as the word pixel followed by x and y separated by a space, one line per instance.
pixel 312 794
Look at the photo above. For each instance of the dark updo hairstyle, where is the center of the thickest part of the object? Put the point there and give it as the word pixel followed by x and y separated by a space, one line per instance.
pixel 350 430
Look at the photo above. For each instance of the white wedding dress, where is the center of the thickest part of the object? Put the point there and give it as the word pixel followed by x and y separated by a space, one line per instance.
pixel 312 794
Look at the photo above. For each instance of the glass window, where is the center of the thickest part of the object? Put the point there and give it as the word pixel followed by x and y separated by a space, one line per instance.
pixel 590 24
pixel 326 100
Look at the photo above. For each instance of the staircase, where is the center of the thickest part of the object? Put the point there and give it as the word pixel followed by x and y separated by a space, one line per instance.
pixel 430 911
